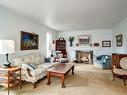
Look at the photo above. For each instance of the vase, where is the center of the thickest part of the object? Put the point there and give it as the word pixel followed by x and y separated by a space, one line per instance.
pixel 71 44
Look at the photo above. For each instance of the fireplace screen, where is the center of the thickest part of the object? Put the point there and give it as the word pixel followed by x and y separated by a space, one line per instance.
pixel 84 56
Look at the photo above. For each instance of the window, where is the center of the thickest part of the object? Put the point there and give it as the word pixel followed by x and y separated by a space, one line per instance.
pixel 49 40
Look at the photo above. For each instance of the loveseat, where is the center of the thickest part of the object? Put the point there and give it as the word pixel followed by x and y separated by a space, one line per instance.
pixel 103 61
pixel 33 67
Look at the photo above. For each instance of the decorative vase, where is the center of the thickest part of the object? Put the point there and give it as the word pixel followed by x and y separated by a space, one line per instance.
pixel 71 44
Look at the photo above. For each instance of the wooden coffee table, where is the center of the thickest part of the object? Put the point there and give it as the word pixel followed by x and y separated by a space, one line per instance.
pixel 60 70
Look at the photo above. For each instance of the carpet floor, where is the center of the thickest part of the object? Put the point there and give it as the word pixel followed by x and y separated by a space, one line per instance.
pixel 88 80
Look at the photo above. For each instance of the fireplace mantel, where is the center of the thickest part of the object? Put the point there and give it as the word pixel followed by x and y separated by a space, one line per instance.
pixel 72 51
pixel 83 48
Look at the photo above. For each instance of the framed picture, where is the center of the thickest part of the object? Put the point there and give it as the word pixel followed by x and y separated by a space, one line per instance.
pixel 29 41
pixel 119 40
pixel 84 39
pixel 106 43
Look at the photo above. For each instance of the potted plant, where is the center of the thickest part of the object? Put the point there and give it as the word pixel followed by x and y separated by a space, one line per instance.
pixel 71 39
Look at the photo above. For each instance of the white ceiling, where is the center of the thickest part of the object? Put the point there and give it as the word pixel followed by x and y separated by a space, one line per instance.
pixel 68 15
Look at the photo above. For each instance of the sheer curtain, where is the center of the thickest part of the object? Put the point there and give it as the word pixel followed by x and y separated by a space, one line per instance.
pixel 49 40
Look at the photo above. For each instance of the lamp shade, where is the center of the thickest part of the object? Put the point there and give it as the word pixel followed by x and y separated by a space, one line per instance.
pixel 7 47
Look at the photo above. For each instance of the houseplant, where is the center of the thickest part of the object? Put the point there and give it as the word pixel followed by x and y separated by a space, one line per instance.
pixel 71 39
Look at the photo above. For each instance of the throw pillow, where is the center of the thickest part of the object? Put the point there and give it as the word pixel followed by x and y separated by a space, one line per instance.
pixel 32 66
pixel 48 59
pixel 107 57
pixel 99 57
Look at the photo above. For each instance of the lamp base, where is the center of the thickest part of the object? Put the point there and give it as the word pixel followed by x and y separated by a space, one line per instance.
pixel 7 64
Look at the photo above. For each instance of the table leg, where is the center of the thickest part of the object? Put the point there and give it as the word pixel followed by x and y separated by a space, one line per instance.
pixel 124 77
pixel 73 70
pixel 62 81
pixel 49 79
pixel 8 82
pixel 20 79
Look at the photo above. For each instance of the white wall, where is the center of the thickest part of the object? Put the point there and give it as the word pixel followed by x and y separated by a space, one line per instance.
pixel 121 28
pixel 12 23
pixel 97 36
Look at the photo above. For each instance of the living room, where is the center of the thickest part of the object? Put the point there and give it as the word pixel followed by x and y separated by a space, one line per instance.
pixel 102 23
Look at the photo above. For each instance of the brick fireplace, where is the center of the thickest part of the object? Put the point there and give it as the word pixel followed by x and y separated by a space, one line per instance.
pixel 84 56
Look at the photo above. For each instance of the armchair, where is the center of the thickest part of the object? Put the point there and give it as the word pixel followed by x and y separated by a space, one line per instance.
pixel 103 61
pixel 121 70
pixel 60 57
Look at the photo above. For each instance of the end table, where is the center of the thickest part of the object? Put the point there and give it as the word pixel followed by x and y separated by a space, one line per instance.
pixel 10 76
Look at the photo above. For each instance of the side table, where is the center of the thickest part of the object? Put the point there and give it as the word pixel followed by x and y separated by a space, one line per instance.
pixel 10 77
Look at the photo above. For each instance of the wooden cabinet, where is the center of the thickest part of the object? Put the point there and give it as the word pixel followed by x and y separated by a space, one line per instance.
pixel 61 46
pixel 10 76
pixel 116 57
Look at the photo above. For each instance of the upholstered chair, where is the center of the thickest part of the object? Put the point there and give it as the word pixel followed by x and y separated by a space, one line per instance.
pixel 121 71
pixel 103 61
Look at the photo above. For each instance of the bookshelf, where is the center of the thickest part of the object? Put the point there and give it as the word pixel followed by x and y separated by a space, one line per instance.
pixel 61 46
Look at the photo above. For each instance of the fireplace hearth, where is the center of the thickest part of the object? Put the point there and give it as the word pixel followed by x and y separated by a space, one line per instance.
pixel 84 57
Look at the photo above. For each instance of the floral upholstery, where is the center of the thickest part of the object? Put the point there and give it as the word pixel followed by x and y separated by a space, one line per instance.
pixel 123 63
pixel 122 70
pixel 37 73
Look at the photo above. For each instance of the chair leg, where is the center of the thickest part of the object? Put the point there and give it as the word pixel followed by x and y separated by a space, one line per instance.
pixel 114 77
pixel 34 85
pixel 124 77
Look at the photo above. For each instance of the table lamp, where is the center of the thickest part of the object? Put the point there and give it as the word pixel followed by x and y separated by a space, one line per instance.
pixel 7 47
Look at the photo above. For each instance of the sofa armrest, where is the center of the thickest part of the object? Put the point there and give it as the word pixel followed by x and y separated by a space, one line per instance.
pixel 99 57
pixel 28 71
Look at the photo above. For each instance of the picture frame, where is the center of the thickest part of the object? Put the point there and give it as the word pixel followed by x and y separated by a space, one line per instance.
pixel 96 44
pixel 106 43
pixel 119 40
pixel 29 41
pixel 84 40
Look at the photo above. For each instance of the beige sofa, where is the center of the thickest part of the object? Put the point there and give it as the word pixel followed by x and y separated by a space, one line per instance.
pixel 38 69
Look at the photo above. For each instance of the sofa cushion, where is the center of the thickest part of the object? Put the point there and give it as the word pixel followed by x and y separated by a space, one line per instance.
pixel 37 71
pixel 63 60
pixel 41 69
pixel 45 65
pixel 120 71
